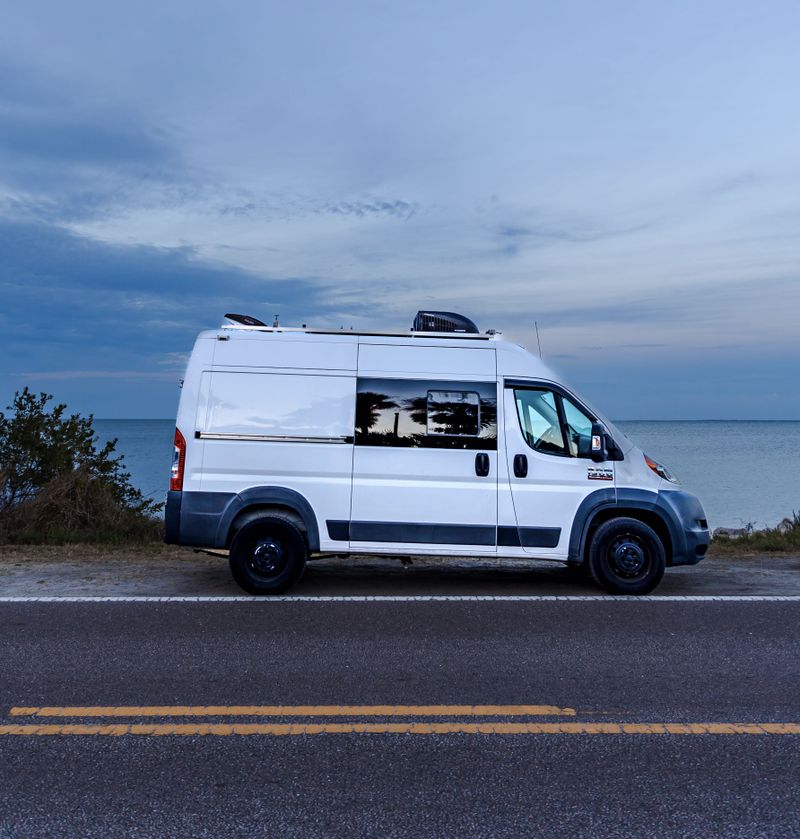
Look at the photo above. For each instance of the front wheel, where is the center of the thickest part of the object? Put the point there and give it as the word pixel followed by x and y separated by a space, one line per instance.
pixel 268 555
pixel 626 557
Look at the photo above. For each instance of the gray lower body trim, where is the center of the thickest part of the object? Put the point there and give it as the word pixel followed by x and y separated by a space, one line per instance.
pixel 681 512
pixel 172 518
pixel 206 519
pixel 202 514
pixel 528 537
pixel 444 534
pixel 339 531
pixel 432 534
pixel 689 519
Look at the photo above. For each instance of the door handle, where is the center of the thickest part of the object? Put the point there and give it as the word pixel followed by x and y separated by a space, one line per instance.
pixel 481 464
pixel 520 466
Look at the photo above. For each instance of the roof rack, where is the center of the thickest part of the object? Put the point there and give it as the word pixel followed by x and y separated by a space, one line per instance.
pixel 427 324
pixel 459 336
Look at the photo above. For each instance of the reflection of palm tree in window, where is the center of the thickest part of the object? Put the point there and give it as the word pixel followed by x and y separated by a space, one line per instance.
pixel 368 409
pixel 452 418
pixel 488 413
pixel 418 409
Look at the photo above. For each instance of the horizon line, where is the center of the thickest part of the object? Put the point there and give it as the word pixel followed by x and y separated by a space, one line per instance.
pixel 683 419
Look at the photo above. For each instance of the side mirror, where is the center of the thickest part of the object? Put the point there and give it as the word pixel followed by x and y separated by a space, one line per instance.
pixel 599 451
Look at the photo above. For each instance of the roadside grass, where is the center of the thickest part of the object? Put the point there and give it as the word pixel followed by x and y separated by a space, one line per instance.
pixel 144 537
pixel 74 508
pixel 760 541
pixel 94 552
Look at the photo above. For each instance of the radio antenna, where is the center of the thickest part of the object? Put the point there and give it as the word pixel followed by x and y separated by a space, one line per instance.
pixel 536 325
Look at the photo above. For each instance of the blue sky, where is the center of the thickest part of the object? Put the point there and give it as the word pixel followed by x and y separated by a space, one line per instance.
pixel 626 174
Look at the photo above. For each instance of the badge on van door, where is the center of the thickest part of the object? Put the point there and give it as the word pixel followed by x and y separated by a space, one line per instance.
pixel 599 473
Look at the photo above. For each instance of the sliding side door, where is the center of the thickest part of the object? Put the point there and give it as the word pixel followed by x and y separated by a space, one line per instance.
pixel 425 453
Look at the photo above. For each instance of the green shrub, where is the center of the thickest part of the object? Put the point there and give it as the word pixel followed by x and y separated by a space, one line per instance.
pixel 56 485
pixel 757 541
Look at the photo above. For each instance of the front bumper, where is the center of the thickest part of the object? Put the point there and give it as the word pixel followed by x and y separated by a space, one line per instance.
pixel 688 526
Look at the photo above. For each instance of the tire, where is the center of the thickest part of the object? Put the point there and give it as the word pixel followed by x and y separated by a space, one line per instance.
pixel 626 557
pixel 268 555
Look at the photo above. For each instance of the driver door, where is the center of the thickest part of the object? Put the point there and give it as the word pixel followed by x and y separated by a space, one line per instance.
pixel 548 439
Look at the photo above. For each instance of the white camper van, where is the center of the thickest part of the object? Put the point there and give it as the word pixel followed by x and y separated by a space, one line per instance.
pixel 294 443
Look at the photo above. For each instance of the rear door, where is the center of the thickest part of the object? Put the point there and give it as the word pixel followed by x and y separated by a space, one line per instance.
pixel 291 430
pixel 425 453
pixel 548 438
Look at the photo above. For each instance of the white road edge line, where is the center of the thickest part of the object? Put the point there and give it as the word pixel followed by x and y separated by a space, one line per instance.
pixel 413 598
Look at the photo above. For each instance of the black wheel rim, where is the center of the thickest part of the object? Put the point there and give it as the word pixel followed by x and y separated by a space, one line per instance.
pixel 628 557
pixel 267 557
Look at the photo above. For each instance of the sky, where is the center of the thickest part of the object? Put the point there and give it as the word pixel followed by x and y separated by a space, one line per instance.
pixel 624 174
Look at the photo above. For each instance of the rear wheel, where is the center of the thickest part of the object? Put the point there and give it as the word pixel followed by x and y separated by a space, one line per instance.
pixel 626 557
pixel 268 555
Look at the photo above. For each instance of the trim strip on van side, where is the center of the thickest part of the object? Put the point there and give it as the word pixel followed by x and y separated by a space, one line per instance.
pixel 435 534
pixel 270 438
pixel 528 537
pixel 444 534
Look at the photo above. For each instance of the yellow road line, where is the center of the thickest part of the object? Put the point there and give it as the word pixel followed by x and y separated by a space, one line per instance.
pixel 294 711
pixel 283 729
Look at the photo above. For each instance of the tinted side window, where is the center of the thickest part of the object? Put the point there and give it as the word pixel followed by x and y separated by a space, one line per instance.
pixel 417 413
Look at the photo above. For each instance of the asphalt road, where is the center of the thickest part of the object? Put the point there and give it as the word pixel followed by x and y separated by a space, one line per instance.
pixel 595 662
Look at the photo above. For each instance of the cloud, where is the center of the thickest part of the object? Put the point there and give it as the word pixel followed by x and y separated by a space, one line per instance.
pixel 377 207
pixel 66 158
pixel 49 263
pixel 58 136
pixel 577 232
pixel 68 301
pixel 629 183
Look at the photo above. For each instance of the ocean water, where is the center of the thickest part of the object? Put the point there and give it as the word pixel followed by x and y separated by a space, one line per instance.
pixel 742 471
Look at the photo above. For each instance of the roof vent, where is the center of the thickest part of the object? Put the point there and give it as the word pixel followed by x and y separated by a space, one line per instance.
pixel 442 322
pixel 245 320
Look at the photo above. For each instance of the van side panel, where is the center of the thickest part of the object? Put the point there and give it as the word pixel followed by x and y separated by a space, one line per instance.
pixel 427 361
pixel 265 404
pixel 288 351
pixel 265 432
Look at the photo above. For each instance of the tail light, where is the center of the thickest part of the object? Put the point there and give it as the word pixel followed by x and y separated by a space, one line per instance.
pixel 178 462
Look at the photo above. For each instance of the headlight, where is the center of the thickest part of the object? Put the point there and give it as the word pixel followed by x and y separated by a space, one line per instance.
pixel 660 470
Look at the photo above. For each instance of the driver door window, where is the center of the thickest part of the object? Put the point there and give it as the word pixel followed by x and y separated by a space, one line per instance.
pixel 552 423
pixel 578 428
pixel 539 420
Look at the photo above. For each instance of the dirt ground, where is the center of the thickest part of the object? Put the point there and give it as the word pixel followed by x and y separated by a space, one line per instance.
pixel 87 570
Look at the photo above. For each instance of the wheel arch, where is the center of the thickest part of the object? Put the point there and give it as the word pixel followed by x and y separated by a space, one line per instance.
pixel 254 502
pixel 605 504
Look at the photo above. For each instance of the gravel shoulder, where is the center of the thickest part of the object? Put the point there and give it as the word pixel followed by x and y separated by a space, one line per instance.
pixel 160 570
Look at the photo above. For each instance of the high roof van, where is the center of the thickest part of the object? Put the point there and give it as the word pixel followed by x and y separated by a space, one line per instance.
pixel 296 443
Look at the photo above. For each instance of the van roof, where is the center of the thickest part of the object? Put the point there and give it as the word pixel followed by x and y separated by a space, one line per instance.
pixel 460 336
